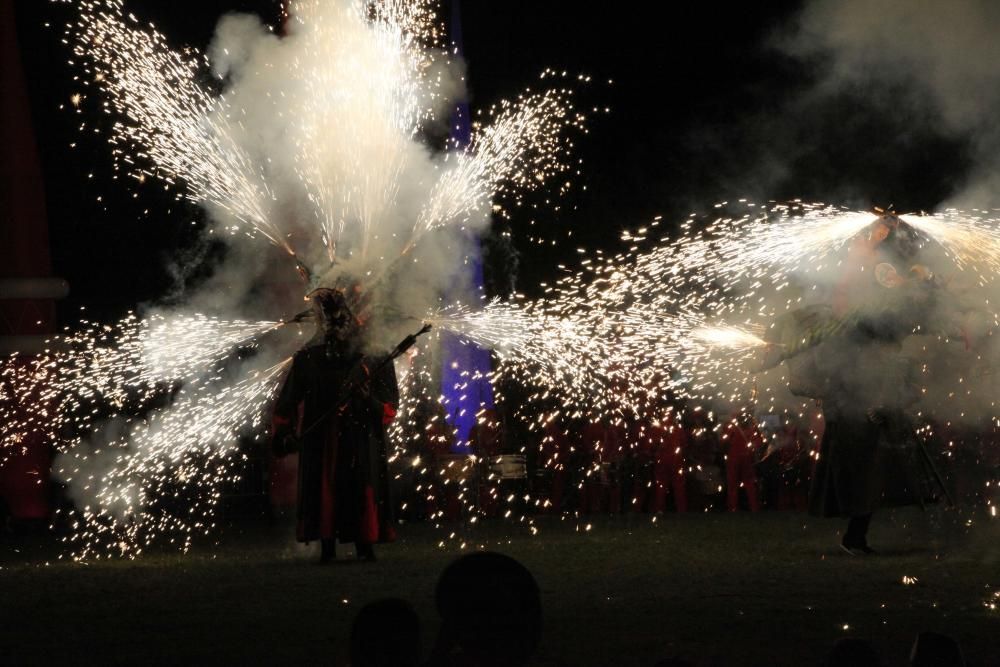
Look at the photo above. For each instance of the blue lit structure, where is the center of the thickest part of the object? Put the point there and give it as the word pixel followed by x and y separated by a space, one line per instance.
pixel 462 362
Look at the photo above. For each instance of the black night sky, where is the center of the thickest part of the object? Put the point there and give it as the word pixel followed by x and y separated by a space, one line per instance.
pixel 703 109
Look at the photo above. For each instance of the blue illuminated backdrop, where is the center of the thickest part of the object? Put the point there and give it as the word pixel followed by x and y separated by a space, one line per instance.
pixel 465 367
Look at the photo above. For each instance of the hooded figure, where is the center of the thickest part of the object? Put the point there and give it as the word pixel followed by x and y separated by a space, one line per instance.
pixel 333 409
pixel 848 355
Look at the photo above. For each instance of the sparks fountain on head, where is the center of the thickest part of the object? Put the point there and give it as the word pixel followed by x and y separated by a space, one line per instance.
pixel 315 146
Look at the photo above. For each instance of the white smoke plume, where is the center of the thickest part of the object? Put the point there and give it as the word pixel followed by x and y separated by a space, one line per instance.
pixel 342 151
pixel 910 58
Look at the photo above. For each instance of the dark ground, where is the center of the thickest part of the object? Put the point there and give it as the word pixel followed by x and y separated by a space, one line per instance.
pixel 767 589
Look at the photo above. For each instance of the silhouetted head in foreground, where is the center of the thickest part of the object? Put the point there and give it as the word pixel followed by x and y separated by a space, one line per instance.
pixel 852 652
pixel 491 612
pixel 386 633
pixel 936 650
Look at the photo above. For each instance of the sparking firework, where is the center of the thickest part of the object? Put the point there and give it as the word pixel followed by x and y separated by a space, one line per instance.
pixel 147 407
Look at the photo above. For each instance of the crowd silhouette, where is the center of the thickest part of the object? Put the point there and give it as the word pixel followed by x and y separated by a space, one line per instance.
pixel 490 612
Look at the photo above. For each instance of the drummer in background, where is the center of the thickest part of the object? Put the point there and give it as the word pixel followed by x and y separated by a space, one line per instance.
pixel 486 443
pixel 554 456
pixel 435 440
pixel 745 443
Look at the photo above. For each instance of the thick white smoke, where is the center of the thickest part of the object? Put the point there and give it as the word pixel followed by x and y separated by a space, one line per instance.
pixel 335 117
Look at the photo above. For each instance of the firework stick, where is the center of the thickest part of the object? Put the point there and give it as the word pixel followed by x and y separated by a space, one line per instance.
pixel 345 393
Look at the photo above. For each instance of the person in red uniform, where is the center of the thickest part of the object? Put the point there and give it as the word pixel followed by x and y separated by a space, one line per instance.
pixel 593 436
pixel 333 409
pixel 666 440
pixel 744 441
pixel 435 440
pixel 554 455
pixel 486 443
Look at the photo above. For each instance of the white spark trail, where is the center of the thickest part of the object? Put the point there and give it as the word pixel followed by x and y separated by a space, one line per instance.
pixel 168 124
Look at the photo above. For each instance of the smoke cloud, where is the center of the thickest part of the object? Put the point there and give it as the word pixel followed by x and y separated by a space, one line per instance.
pixel 373 176
pixel 337 161
pixel 911 59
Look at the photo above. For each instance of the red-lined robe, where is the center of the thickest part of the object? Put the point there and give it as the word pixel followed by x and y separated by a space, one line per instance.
pixel 343 481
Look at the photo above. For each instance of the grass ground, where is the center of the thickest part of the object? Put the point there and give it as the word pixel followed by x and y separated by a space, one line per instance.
pixel 766 589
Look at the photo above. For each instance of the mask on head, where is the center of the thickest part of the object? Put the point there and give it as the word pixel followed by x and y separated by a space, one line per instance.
pixel 333 316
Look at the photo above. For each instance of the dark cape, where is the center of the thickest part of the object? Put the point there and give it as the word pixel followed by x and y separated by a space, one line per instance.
pixel 866 462
pixel 343 482
pixel 869 455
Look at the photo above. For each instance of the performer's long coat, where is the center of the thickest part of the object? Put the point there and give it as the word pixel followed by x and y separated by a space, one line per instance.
pixel 868 454
pixel 865 463
pixel 848 477
pixel 343 489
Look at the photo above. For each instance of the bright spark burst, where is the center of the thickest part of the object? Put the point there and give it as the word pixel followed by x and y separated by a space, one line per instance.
pixel 367 78
pixel 680 316
pixel 523 148
pixel 727 337
pixel 161 476
pixel 688 315
pixel 126 405
pixel 355 130
pixel 971 238
pixel 148 410
pixel 168 124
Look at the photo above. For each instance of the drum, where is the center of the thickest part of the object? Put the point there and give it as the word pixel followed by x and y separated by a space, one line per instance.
pixel 508 466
